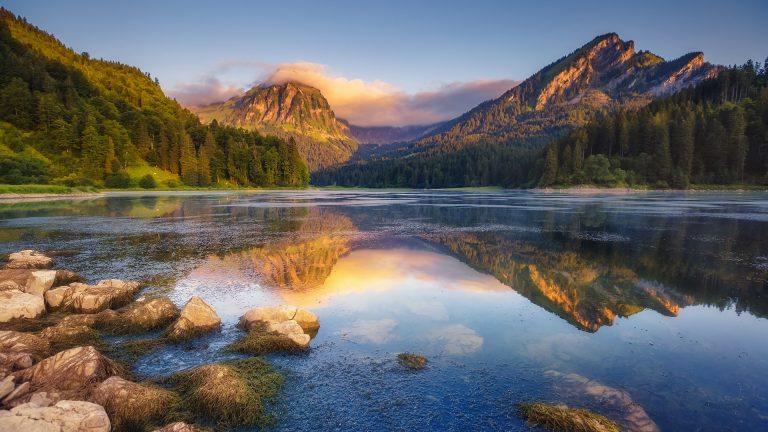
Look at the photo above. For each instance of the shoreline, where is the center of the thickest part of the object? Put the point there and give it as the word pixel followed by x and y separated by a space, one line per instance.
pixel 13 198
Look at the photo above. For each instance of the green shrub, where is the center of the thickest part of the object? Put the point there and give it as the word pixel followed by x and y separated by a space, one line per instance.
pixel 21 170
pixel 148 182
pixel 118 180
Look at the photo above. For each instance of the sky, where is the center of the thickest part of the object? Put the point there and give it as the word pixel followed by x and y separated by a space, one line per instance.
pixel 384 63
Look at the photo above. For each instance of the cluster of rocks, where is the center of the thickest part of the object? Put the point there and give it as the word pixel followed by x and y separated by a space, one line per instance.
pixel 297 324
pixel 50 379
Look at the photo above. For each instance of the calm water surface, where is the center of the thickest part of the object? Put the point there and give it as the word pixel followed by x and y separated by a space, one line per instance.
pixel 650 308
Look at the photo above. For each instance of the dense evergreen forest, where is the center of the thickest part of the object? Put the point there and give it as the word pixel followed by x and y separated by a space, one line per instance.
pixel 68 119
pixel 479 165
pixel 715 133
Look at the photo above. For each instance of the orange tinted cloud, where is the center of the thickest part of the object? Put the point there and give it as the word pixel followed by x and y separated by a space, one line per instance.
pixel 363 103
pixel 377 103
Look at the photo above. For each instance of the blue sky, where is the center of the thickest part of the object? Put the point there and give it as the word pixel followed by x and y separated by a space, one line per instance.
pixel 404 46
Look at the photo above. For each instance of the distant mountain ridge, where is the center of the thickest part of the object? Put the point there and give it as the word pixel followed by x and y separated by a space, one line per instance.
pixel 288 110
pixel 389 134
pixel 605 73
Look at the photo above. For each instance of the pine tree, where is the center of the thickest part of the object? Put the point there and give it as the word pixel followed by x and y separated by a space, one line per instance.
pixel 550 166
pixel 188 164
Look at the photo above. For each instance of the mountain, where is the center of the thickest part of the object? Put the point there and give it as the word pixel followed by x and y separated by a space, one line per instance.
pixel 288 110
pixel 381 135
pixel 66 118
pixel 604 74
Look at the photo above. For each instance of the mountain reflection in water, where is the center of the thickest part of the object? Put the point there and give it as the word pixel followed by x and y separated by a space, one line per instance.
pixel 647 307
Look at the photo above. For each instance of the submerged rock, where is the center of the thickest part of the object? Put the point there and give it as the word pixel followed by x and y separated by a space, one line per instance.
pixel 267 315
pixel 69 374
pixel 28 259
pixel 65 416
pixel 15 304
pixel 197 317
pixel 629 414
pixel 81 298
pixel 133 406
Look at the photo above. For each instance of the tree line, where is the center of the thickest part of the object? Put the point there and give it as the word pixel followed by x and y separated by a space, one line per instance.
pixel 68 119
pixel 713 133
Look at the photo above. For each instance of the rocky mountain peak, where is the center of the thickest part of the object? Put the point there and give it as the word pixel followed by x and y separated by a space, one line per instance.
pixel 290 110
pixel 604 74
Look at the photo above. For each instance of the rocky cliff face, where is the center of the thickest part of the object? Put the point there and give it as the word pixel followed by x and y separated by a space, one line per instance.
pixel 289 110
pixel 606 73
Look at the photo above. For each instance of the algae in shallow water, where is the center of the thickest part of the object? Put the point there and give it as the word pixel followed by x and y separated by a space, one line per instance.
pixel 232 393
pixel 561 418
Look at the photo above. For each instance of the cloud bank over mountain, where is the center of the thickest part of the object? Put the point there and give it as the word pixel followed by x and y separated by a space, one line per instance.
pixel 364 103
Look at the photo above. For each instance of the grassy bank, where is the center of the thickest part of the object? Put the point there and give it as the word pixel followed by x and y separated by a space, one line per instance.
pixel 44 189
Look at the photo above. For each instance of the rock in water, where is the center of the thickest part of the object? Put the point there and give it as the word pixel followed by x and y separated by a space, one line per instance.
pixel 144 315
pixel 196 317
pixel 15 304
pixel 69 374
pixel 260 316
pixel 65 416
pixel 40 281
pixel 81 298
pixel 28 259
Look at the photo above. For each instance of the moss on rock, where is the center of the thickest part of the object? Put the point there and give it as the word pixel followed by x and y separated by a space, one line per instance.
pixel 260 341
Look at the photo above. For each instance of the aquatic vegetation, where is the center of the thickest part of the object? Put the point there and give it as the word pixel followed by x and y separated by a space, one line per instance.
pixel 561 418
pixel 65 337
pixel 260 341
pixel 130 351
pixel 137 406
pixel 412 361
pixel 142 316
pixel 231 393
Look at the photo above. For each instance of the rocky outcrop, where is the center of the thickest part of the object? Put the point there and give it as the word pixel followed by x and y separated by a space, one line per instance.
pixel 196 317
pixel 28 259
pixel 69 374
pixel 81 298
pixel 15 304
pixel 295 323
pixel 288 110
pixel 143 315
pixel 606 73
pixel 277 314
pixel 20 350
pixel 65 416
pixel 133 406
pixel 35 282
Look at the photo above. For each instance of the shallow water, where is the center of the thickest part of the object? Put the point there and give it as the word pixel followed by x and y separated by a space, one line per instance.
pixel 650 307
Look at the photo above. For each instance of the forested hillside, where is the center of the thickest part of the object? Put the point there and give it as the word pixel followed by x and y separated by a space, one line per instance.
pixel 66 118
pixel 715 133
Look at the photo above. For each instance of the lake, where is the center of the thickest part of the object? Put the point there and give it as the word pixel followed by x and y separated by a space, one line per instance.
pixel 647 307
